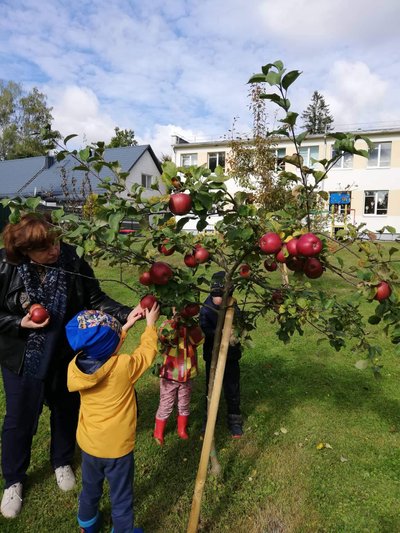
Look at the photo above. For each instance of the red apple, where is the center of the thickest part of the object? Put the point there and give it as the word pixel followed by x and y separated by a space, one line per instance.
pixel 270 243
pixel 176 183
pixel 148 301
pixel 313 268
pixel 291 246
pixel 180 203
pixel 245 271
pixel 160 273
pixel 277 297
pixel 296 264
pixel 38 313
pixel 383 291
pixel 281 255
pixel 190 310
pixel 190 260
pixel 145 278
pixel 309 245
pixel 201 254
pixel 271 267
pixel 164 249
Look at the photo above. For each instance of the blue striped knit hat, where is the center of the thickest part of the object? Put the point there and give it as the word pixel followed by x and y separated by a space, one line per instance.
pixel 94 332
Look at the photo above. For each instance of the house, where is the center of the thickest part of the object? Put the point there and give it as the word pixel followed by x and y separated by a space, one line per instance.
pixel 57 181
pixel 361 190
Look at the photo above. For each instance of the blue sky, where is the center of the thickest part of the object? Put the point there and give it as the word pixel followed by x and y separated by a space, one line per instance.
pixel 163 67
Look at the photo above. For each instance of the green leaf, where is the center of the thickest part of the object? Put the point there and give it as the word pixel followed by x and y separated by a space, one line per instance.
pixel 281 102
pixel 289 78
pixel 114 221
pixel 257 78
pixel 84 154
pixel 266 68
pixel 273 78
pixel 201 224
pixel 374 319
pixel 391 230
pixel 32 203
pixel 290 118
pixel 69 137
pixel 300 138
pixel 278 64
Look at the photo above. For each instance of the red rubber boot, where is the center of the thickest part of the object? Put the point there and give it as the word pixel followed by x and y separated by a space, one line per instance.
pixel 182 425
pixel 159 430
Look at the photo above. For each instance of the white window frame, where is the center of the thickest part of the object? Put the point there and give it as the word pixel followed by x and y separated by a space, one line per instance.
pixel 280 153
pixel 189 160
pixel 345 162
pixel 147 181
pixel 307 156
pixel 218 156
pixel 375 195
pixel 378 147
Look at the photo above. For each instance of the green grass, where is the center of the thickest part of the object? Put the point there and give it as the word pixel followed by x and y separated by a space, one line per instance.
pixel 275 479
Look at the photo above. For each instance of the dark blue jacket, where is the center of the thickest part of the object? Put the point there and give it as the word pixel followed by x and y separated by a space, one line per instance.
pixel 208 323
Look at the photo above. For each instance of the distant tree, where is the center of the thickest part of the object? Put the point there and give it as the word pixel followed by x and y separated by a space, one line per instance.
pixel 253 160
pixel 23 115
pixel 122 138
pixel 165 157
pixel 317 117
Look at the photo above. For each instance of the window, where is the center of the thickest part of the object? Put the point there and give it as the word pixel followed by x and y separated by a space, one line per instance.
pixel 147 180
pixel 188 160
pixel 279 155
pixel 216 159
pixel 308 153
pixel 380 154
pixel 346 161
pixel 376 202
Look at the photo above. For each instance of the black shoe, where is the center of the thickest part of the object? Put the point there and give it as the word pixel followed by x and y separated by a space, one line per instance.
pixel 235 426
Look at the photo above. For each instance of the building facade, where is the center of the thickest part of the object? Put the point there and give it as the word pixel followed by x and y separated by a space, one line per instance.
pixel 361 190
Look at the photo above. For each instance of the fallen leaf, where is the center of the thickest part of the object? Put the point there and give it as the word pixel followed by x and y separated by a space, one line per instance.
pixel 283 430
pixel 343 459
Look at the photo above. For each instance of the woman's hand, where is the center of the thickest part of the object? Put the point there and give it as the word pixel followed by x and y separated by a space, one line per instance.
pixel 137 312
pixel 28 323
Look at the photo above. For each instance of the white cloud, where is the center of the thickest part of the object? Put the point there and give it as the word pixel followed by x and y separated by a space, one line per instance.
pixel 77 110
pixel 160 138
pixel 145 66
pixel 355 94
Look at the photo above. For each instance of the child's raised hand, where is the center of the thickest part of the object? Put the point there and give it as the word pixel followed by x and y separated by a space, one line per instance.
pixel 152 314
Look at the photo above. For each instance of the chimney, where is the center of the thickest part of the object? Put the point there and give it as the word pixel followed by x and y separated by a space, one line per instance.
pixel 49 161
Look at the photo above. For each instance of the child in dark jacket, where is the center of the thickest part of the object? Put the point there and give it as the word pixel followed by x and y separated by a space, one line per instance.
pixel 231 381
pixel 106 431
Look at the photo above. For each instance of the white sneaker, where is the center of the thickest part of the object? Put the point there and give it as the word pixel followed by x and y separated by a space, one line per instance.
pixel 11 502
pixel 65 478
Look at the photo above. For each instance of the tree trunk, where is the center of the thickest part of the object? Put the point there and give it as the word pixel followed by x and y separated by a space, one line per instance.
pixel 211 418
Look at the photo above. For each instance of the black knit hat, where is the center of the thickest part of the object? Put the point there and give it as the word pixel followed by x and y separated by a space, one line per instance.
pixel 218 284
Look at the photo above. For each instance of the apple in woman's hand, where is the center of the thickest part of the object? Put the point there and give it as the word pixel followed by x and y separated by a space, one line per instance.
pixel 38 313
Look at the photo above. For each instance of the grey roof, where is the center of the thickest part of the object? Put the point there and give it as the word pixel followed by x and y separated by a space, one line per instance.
pixel 34 178
pixel 15 173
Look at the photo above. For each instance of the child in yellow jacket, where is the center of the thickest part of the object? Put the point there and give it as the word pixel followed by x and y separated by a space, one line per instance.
pixel 108 412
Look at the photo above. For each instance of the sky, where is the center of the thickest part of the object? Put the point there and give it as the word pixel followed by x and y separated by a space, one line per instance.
pixel 181 67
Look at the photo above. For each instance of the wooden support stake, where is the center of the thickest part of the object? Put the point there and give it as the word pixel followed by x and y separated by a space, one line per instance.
pixel 211 420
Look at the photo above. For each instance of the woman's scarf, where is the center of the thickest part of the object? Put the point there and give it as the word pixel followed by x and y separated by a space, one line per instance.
pixel 51 293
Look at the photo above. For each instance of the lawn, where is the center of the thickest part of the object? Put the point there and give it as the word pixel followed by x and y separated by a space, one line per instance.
pixel 320 452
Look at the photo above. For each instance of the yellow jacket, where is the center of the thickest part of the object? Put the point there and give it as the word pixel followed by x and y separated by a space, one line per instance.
pixel 108 412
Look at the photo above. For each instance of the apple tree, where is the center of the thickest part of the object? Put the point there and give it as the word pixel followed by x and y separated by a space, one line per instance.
pixel 249 241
